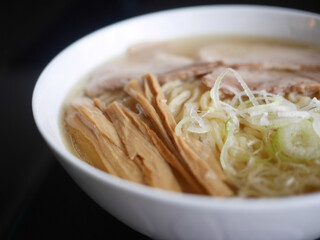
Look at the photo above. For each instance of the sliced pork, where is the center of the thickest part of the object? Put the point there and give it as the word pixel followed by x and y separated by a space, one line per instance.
pixel 275 55
pixel 258 77
pixel 140 60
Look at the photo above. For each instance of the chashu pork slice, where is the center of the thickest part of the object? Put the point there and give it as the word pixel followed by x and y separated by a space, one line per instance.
pixel 258 77
pixel 140 59
pixel 277 55
pixel 190 71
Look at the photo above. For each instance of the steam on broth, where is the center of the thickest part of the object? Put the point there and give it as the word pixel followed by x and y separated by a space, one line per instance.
pixel 221 116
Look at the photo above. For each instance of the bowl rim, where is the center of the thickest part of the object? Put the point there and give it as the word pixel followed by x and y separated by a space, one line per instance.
pixel 198 201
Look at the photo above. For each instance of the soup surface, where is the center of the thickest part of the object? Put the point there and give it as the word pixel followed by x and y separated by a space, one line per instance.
pixel 214 115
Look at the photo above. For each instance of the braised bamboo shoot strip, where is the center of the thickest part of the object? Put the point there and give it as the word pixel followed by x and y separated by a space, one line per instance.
pixel 156 170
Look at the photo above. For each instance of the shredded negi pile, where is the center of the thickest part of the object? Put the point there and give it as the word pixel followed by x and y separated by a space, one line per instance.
pixel 267 145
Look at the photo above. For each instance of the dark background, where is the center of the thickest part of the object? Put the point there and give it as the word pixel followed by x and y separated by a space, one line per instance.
pixel 38 200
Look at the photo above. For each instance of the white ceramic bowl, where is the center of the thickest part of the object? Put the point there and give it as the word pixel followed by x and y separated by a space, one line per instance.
pixel 161 214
